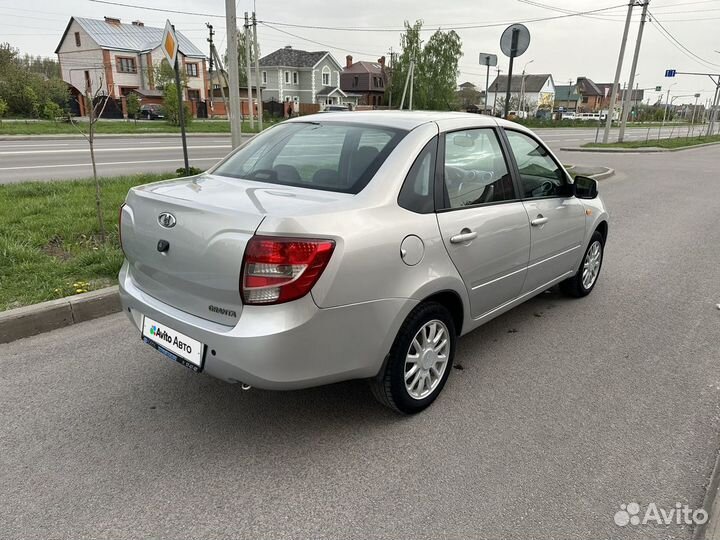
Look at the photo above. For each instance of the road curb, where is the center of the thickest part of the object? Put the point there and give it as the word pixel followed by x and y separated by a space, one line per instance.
pixel 31 320
pixel 603 175
pixel 652 150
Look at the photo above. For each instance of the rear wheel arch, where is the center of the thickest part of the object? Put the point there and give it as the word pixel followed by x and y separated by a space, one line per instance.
pixel 452 301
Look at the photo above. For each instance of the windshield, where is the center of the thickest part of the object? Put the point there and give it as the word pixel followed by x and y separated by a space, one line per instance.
pixel 328 156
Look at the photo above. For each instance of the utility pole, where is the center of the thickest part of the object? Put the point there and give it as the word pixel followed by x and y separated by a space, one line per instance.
pixel 407 82
pixel 497 85
pixel 412 85
pixel 232 67
pixel 222 73
pixel 633 69
pixel 258 91
pixel 568 97
pixel 210 69
pixel 390 79
pixel 618 71
pixel 248 70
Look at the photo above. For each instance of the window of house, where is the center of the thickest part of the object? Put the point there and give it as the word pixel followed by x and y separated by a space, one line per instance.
pixel 356 80
pixel 87 80
pixel 326 76
pixel 375 82
pixel 382 82
pixel 194 95
pixel 126 65
pixel 77 39
pixel 585 99
pixel 192 69
pixel 295 77
pixel 287 77
pixel 264 77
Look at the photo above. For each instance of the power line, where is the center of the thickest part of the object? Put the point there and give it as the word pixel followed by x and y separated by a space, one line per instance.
pixel 316 42
pixel 666 33
pixel 194 13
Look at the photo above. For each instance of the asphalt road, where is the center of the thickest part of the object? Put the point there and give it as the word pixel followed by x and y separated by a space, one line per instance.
pixel 563 410
pixel 23 160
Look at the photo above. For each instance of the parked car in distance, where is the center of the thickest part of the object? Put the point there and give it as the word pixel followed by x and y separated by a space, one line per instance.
pixel 355 245
pixel 152 111
pixel 336 108
pixel 568 116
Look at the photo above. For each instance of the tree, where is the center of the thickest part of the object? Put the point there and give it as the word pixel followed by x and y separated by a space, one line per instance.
pixel 95 103
pixel 242 61
pixel 436 67
pixel 171 108
pixel 133 105
pixel 3 109
pixel 165 80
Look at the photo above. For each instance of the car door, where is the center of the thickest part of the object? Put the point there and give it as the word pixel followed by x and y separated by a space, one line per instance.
pixel 483 223
pixel 557 218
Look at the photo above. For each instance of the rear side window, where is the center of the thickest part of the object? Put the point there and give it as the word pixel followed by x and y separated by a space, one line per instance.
pixel 475 171
pixel 329 156
pixel 417 193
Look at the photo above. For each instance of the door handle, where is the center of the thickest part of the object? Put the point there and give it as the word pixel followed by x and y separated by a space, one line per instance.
pixel 465 236
pixel 540 220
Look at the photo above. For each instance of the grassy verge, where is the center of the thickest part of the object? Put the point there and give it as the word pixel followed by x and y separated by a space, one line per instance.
pixel 118 127
pixel 677 142
pixel 48 238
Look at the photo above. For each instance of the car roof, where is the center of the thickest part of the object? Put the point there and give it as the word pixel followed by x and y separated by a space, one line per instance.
pixel 406 120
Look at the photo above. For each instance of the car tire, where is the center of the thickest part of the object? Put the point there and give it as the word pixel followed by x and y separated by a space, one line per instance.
pixel 582 283
pixel 425 346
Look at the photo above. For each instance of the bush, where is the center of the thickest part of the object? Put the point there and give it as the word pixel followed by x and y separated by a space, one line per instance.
pixel 3 108
pixel 52 111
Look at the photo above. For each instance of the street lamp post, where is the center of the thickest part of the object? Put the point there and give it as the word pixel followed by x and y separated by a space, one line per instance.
pixel 522 87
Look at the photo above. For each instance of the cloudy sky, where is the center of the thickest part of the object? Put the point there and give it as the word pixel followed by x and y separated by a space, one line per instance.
pixel 565 46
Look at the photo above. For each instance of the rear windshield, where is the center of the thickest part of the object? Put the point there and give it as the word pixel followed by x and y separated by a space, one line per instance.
pixel 329 156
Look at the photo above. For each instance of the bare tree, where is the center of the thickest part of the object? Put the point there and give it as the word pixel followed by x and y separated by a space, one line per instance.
pixel 95 103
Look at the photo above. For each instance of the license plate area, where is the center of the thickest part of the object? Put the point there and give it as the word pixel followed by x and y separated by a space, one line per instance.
pixel 174 345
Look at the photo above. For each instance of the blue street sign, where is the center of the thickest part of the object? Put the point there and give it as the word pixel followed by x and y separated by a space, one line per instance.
pixel 670 72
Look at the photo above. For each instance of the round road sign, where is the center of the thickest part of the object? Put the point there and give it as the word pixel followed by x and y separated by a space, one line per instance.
pixel 523 40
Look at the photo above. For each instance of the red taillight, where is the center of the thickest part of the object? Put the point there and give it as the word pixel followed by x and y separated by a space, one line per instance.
pixel 277 270
pixel 120 227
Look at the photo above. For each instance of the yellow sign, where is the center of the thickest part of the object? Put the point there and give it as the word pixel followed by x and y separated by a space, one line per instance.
pixel 169 43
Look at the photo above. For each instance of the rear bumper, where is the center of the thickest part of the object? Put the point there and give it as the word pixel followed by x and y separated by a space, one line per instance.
pixel 283 347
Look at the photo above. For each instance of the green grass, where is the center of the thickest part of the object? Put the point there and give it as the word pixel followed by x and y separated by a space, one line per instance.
pixel 48 238
pixel 44 127
pixel 677 142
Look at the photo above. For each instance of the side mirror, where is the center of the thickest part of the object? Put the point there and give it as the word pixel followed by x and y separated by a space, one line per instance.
pixel 585 187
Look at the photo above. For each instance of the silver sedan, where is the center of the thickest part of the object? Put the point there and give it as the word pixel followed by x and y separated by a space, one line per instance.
pixel 355 245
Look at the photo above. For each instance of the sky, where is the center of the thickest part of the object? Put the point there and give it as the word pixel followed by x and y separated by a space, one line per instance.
pixel 566 47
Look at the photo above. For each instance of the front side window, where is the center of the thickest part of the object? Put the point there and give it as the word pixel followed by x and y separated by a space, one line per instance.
pixel 475 171
pixel 540 175
pixel 328 156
